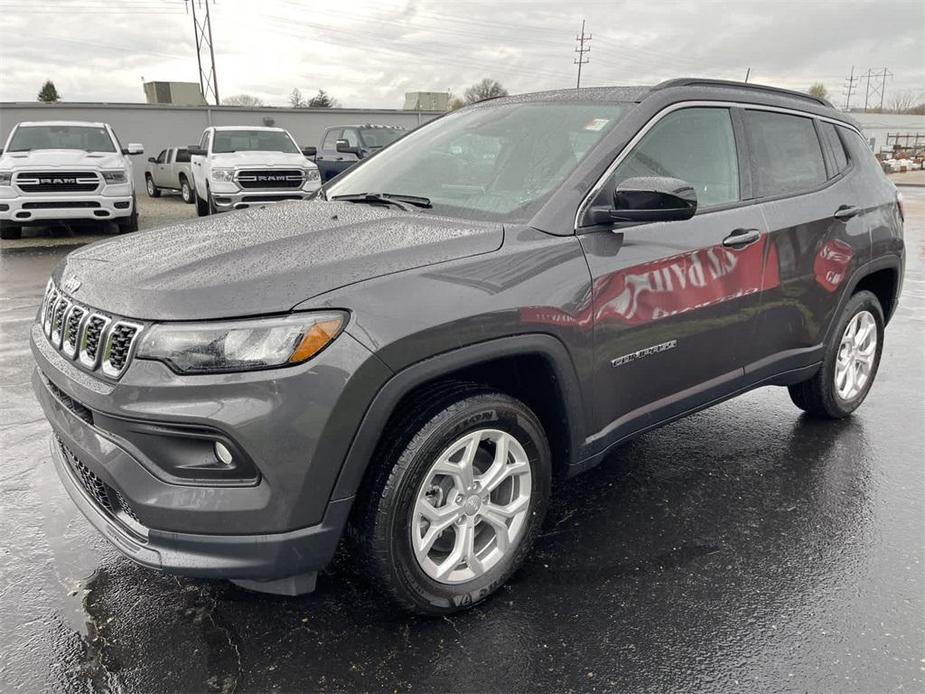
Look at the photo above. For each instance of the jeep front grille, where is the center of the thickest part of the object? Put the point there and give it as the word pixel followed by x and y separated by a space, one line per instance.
pixel 94 340
pixel 271 178
pixel 57 181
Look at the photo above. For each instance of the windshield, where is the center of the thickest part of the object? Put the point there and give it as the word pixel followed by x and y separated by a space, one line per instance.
pixel 496 162
pixel 253 141
pixel 83 137
pixel 380 137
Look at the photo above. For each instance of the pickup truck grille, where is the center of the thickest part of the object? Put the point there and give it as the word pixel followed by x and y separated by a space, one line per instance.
pixel 271 178
pixel 94 340
pixel 57 181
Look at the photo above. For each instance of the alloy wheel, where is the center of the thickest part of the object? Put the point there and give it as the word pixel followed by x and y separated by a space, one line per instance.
pixel 471 508
pixel 857 354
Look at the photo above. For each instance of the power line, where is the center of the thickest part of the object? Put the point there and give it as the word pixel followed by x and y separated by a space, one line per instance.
pixel 208 80
pixel 849 88
pixel 581 50
pixel 873 89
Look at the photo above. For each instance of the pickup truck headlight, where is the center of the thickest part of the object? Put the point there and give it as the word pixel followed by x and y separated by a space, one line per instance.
pixel 223 175
pixel 245 345
pixel 312 175
pixel 6 178
pixel 114 176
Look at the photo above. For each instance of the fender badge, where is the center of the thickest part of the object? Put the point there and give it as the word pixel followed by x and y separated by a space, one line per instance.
pixel 71 285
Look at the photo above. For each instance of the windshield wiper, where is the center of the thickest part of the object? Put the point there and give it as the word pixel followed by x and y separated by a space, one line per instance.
pixel 397 199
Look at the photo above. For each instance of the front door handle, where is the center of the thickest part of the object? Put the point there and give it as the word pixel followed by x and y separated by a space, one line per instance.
pixel 846 212
pixel 740 238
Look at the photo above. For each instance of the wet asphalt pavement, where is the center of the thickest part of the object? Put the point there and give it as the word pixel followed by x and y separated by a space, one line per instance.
pixel 746 548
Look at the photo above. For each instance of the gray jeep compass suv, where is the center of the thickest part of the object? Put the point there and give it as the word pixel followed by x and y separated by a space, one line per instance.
pixel 490 304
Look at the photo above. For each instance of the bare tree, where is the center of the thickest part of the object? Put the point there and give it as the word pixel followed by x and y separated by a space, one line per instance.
pixel 486 89
pixel 242 100
pixel 903 102
pixel 455 104
pixel 818 90
pixel 295 99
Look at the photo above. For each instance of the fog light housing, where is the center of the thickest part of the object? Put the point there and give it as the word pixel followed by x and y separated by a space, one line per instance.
pixel 223 454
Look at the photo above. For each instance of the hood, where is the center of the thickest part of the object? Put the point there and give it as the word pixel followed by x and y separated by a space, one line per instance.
pixel 271 159
pixel 62 159
pixel 263 260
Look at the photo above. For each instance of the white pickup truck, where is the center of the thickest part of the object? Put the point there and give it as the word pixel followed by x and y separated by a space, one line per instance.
pixel 65 170
pixel 236 167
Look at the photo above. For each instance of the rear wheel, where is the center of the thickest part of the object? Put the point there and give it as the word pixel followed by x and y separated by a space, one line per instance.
pixel 9 231
pixel 186 191
pixel 849 364
pixel 459 492
pixel 153 190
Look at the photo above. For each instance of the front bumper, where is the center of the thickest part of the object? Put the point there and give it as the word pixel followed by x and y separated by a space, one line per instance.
pixel 40 208
pixel 285 523
pixel 243 199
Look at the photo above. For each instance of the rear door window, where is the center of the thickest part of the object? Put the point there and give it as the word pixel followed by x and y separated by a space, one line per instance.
pixel 835 147
pixel 784 152
pixel 696 145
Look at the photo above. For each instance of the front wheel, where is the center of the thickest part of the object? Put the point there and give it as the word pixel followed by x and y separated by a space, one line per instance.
pixel 129 224
pixel 202 207
pixel 849 364
pixel 153 190
pixel 459 495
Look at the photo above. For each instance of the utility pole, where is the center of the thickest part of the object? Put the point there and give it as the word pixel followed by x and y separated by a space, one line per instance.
pixel 202 30
pixel 748 71
pixel 849 88
pixel 874 89
pixel 581 50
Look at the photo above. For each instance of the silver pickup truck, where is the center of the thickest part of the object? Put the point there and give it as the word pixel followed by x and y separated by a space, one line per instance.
pixel 170 170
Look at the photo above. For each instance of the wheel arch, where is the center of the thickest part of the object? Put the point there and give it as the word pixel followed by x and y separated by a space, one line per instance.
pixel 885 274
pixel 527 367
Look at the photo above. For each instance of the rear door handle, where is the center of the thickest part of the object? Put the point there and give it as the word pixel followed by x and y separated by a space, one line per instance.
pixel 740 238
pixel 846 212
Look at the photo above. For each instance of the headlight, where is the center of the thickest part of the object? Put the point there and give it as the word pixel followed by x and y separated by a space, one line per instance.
pixel 312 175
pixel 114 176
pixel 245 345
pixel 223 175
pixel 6 178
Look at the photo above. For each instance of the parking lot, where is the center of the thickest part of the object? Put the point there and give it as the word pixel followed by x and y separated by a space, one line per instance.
pixel 745 548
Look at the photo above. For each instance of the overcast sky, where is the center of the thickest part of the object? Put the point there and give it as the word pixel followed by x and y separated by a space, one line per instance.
pixel 367 53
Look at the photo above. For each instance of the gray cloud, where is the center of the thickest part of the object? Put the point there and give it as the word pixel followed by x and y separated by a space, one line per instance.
pixel 369 53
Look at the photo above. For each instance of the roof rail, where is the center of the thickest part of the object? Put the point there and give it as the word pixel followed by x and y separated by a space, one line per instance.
pixel 697 82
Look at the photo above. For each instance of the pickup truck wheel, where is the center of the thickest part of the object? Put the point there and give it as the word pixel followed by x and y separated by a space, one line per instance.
pixel 153 190
pixel 8 231
pixel 457 498
pixel 202 207
pixel 129 224
pixel 212 208
pixel 849 364
pixel 186 192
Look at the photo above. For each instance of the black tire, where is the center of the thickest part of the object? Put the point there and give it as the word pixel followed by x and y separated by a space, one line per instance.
pixel 186 191
pixel 153 190
pixel 129 224
pixel 212 208
pixel 202 207
pixel 8 231
pixel 818 396
pixel 383 513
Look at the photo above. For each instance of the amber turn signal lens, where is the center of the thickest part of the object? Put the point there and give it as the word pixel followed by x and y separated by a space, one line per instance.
pixel 316 339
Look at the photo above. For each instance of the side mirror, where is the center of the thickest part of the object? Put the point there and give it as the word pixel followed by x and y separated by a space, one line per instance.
pixel 152 160
pixel 196 150
pixel 344 147
pixel 648 199
pixel 309 151
pixel 134 148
